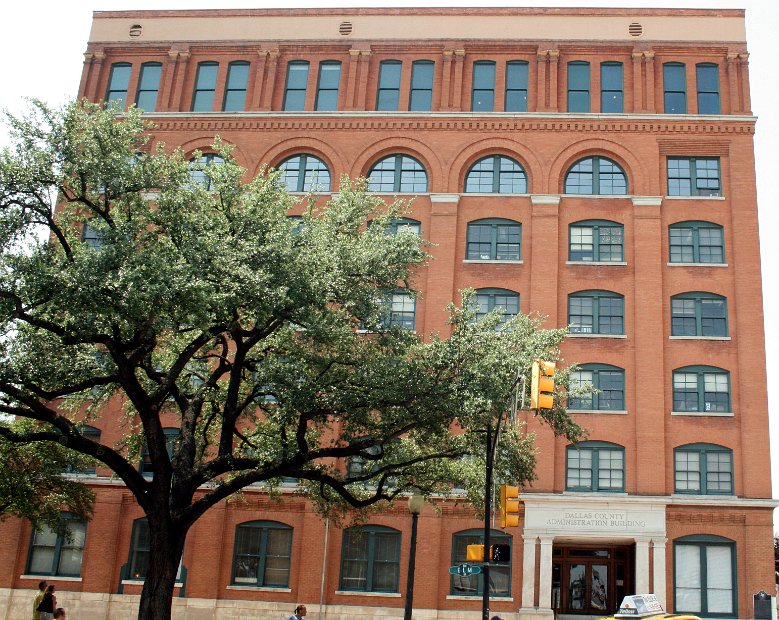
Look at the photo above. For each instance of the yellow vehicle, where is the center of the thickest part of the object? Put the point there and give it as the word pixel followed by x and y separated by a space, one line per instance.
pixel 646 607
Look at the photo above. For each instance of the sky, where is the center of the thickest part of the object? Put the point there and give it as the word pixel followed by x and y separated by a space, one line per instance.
pixel 43 44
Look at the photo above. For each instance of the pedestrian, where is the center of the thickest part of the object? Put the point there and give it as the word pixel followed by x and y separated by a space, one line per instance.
pixel 48 604
pixel 38 598
pixel 496 618
pixel 59 614
pixel 300 613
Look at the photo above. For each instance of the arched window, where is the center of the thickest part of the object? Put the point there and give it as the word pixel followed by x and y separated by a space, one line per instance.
pixel 578 86
pixel 370 559
pixel 58 552
pixel 421 95
pixel 608 383
pixel 262 554
pixel 148 86
pixel 388 95
pixel 705 576
pixel 707 78
pixel 205 86
pixel 696 242
pixel 487 299
pixel 398 173
pixel 596 241
pixel 701 389
pixel 483 90
pixel 674 88
pixel 699 314
pixel 235 87
pixel 595 466
pixel 496 174
pixel 295 88
pixel 305 173
pixel 198 168
pixel 494 239
pixel 596 176
pixel 703 469
pixel 596 312
pixel 327 86
pixel 473 585
pixel 404 224
pixel 118 83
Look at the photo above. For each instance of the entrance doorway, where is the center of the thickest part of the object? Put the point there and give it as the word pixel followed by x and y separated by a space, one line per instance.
pixel 590 581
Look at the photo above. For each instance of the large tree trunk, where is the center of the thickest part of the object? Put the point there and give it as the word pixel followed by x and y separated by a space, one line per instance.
pixel 166 545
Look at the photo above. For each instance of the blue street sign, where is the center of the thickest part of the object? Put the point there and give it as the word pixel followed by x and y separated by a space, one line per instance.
pixel 464 569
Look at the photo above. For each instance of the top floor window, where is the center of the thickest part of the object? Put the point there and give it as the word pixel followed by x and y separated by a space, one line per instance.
pixel 148 86
pixel 516 86
pixel 388 97
pixel 205 87
pixel 483 91
pixel 327 86
pixel 421 96
pixel 674 88
pixel 707 79
pixel 397 173
pixel 118 82
pixel 304 173
pixel 612 97
pixel 295 89
pixel 596 176
pixel 235 89
pixel 496 174
pixel 578 86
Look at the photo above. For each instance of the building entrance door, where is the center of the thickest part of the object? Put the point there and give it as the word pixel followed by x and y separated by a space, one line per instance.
pixel 590 581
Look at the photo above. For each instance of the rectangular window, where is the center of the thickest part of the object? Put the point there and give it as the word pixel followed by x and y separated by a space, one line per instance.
pixel 599 243
pixel 421 97
pixel 578 86
pixel 388 97
pixel 401 311
pixel 148 86
pixel 674 88
pixel 295 89
pixel 516 86
pixel 205 87
pixel 235 88
pixel 603 389
pixel 707 78
pixel 262 555
pixel 473 585
pixel 370 559
pixel 694 176
pixel 699 391
pixel 612 98
pixel 327 86
pixel 704 579
pixel 58 554
pixel 483 92
pixel 597 468
pixel 118 82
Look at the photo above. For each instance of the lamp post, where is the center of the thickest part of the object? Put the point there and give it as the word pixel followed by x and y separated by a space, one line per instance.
pixel 415 505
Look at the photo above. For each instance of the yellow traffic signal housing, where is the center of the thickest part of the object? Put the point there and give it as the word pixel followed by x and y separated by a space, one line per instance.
pixel 509 506
pixel 542 385
pixel 474 553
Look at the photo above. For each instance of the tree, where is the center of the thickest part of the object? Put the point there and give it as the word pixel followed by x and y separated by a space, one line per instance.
pixel 203 306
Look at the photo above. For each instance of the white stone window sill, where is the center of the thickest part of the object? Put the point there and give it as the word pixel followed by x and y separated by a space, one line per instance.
pixel 695 197
pixel 258 588
pixel 697 264
pixel 616 336
pixel 466 597
pixel 493 194
pixel 378 594
pixel 51 578
pixel 488 261
pixel 598 411
pixel 139 582
pixel 599 196
pixel 399 194
pixel 704 414
pixel 598 263
pixel 596 493
pixel 698 337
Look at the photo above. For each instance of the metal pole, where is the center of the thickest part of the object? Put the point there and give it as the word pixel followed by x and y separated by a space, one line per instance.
pixel 411 565
pixel 485 604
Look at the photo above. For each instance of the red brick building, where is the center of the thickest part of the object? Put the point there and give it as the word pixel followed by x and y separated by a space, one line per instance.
pixel 591 165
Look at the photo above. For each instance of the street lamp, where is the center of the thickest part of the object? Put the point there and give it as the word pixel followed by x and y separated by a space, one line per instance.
pixel 415 505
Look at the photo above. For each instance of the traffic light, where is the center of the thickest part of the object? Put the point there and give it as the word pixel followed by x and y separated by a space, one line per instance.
pixel 542 385
pixel 474 553
pixel 509 506
pixel 500 554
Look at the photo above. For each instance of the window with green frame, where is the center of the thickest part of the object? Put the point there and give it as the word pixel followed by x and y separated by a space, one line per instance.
pixel 487 299
pixel 327 86
pixel 496 174
pixel 305 173
pixel 398 173
pixel 58 554
pixel 483 91
pixel 295 87
pixel 140 550
pixel 707 80
pixel 612 96
pixel 596 176
pixel 171 436
pixel 92 236
pixel 494 239
pixel 403 224
pixel 674 88
pixel 205 86
pixel 696 242
pixel 516 86
pixel 596 312
pixel 421 95
pixel 370 559
pixel 118 83
pixel 701 389
pixel 473 585
pixel 606 385
pixel 703 469
pixel 595 466
pixel 148 86
pixel 596 241
pixel 705 576
pixel 400 311
pixel 388 97
pixel 93 434
pixel 262 554
pixel 699 314
pixel 578 86
pixel 235 87
pixel 694 176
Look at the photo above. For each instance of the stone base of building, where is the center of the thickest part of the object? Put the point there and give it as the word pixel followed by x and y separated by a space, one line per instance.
pixel 534 613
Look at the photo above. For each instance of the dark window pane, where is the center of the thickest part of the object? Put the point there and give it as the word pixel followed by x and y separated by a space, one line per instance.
pixel 297 82
pixel 675 88
pixel 327 89
pixel 707 77
pixel 148 85
pixel 205 87
pixel 388 97
pixel 118 82
pixel 516 86
pixel 421 99
pixel 483 96
pixel 235 90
